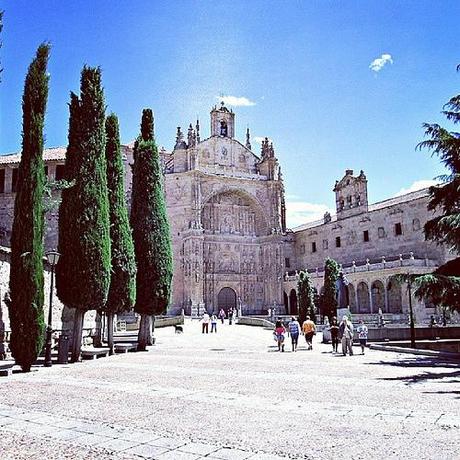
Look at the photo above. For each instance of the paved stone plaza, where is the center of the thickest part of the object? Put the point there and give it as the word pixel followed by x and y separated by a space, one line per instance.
pixel 233 396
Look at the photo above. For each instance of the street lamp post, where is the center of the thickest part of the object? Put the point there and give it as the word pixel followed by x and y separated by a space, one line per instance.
pixel 411 313
pixel 53 258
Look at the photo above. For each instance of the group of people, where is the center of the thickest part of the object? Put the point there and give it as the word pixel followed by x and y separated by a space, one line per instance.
pixel 344 332
pixel 339 332
pixel 213 319
pixel 308 329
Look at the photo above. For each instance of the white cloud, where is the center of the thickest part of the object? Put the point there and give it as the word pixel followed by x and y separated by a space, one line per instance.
pixel 418 185
pixel 379 63
pixel 301 212
pixel 236 101
pixel 259 139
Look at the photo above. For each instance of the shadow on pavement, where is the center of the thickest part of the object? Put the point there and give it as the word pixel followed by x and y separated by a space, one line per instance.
pixel 423 362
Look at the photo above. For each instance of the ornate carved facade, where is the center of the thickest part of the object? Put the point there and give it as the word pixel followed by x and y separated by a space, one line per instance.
pixel 225 205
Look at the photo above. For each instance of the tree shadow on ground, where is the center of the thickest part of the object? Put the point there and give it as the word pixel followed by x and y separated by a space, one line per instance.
pixel 425 362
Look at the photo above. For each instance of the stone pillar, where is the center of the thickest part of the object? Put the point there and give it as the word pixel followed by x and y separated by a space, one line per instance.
pixel 371 303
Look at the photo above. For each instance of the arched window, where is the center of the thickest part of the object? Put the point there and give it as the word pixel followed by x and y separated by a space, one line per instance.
pixel 416 224
pixel 223 128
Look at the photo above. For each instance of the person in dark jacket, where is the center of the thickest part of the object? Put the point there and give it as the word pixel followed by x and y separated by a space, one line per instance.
pixel 334 330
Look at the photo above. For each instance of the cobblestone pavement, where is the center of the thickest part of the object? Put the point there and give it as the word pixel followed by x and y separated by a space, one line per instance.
pixel 232 395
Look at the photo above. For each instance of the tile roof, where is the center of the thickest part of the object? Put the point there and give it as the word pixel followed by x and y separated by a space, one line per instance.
pixel 53 153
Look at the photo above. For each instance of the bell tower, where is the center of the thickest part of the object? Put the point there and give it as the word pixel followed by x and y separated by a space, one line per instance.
pixel 222 121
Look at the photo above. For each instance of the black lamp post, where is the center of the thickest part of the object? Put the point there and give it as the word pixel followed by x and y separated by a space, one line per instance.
pixel 53 258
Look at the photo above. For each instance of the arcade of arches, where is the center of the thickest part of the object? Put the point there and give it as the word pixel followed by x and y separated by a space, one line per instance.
pixel 364 298
pixel 370 297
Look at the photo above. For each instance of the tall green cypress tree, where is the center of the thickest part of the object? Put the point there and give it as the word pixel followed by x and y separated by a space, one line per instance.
pixel 26 273
pixel 329 294
pixel 122 292
pixel 305 293
pixel 83 271
pixel 151 234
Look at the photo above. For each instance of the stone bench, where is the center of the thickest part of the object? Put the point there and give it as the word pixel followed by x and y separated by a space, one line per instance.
pixel 6 368
pixel 125 347
pixel 93 353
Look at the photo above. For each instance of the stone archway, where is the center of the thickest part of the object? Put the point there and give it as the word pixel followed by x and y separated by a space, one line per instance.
pixel 362 292
pixel 352 298
pixel 378 296
pixel 226 299
pixel 394 292
pixel 286 302
pixel 293 302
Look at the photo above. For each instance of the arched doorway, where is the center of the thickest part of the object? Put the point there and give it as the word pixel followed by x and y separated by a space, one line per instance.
pixel 293 302
pixel 226 298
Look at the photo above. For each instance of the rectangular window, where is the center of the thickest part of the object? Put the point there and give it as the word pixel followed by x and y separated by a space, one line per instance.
pixel 313 246
pixel 46 172
pixel 287 262
pixel 2 181
pixel 14 180
pixel 381 232
pixel 366 236
pixel 398 229
pixel 59 172
pixel 302 249
pixel 325 244
pixel 337 242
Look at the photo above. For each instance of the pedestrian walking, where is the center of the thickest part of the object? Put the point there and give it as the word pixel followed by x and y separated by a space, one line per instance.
pixel 294 330
pixel 230 316
pixel 222 315
pixel 362 335
pixel 205 322
pixel 278 334
pixel 270 314
pixel 309 330
pixel 346 331
pixel 214 323
pixel 334 330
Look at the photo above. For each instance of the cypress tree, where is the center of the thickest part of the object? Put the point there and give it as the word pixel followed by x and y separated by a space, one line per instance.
pixel 305 296
pixel 122 292
pixel 151 234
pixel 83 271
pixel 26 272
pixel 329 295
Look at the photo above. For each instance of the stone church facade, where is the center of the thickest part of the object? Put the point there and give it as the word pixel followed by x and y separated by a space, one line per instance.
pixel 231 247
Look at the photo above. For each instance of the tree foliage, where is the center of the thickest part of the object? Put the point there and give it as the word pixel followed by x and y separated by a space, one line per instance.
pixel 305 296
pixel 83 271
pixel 122 290
pixel 443 286
pixel 26 272
pixel 151 234
pixel 329 294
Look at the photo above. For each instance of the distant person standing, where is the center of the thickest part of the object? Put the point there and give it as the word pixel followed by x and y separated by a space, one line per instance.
pixel 222 315
pixel 362 335
pixel 294 330
pixel 213 323
pixel 346 330
pixel 334 330
pixel 270 314
pixel 230 316
pixel 205 322
pixel 309 330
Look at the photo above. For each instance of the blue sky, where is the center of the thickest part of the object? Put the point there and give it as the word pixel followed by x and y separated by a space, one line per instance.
pixel 304 66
